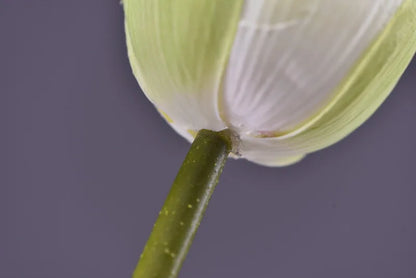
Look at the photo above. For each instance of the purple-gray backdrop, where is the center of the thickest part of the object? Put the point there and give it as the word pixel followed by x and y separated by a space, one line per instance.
pixel 86 162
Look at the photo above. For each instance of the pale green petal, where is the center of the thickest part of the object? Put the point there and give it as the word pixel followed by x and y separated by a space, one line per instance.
pixel 178 50
pixel 359 95
pixel 289 56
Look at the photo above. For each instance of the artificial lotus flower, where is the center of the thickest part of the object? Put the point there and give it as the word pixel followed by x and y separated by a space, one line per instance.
pixel 283 78
pixel 287 77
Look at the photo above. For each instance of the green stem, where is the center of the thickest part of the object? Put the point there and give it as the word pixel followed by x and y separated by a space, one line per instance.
pixel 184 207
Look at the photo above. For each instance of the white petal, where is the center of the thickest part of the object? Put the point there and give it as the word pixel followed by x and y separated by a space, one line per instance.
pixel 289 56
pixel 362 91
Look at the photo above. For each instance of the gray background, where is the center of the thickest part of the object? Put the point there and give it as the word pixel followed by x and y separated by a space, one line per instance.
pixel 86 162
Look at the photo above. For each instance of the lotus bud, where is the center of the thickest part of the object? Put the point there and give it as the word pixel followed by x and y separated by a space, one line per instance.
pixel 286 77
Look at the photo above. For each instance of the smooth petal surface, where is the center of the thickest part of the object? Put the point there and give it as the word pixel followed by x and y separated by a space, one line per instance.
pixel 363 90
pixel 178 50
pixel 288 77
pixel 289 56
